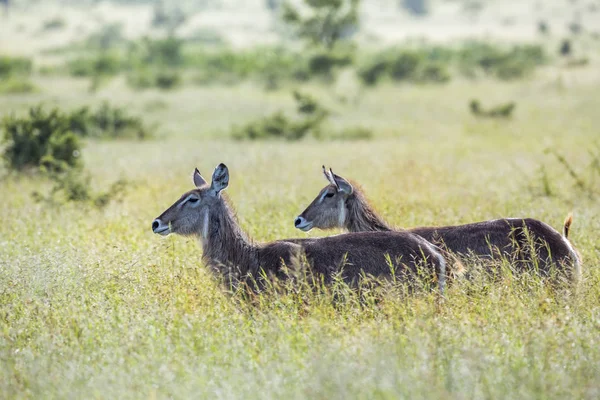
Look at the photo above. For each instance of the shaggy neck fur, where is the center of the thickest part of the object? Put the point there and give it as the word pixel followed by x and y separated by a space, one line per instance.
pixel 226 248
pixel 360 216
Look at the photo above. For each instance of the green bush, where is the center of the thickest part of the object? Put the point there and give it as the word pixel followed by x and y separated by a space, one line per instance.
pixel 278 126
pixel 310 120
pixel 433 72
pixel 323 63
pixel 412 65
pixel 498 62
pixel 498 111
pixel 405 64
pixel 14 66
pixel 39 139
pixel 373 71
pixel 435 64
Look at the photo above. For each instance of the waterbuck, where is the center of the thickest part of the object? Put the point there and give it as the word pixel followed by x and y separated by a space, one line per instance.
pixel 204 212
pixel 526 242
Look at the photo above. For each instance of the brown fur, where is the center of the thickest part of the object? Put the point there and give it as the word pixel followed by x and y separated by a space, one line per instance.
pixel 525 241
pixel 229 252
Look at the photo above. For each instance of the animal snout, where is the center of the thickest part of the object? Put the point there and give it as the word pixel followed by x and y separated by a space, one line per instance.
pixel 160 227
pixel 302 224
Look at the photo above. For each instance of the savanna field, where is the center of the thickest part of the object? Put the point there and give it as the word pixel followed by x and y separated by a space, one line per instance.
pixel 94 305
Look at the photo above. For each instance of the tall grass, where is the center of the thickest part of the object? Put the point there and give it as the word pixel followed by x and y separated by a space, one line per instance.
pixel 92 304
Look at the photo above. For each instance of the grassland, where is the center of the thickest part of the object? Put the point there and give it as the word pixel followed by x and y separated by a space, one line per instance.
pixel 94 305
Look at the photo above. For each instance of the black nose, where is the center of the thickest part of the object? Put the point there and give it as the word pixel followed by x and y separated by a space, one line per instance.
pixel 297 221
pixel 154 225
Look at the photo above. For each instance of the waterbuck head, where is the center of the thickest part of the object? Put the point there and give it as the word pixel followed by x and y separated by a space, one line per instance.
pixel 190 214
pixel 328 210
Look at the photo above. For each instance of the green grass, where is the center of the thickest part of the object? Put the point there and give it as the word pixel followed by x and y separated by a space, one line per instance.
pixel 93 305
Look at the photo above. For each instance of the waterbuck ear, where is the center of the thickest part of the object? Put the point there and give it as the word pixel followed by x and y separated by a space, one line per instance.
pixel 329 177
pixel 198 179
pixel 220 178
pixel 342 184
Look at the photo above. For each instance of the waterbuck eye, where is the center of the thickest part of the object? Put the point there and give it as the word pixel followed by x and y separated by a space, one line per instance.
pixel 329 194
pixel 192 200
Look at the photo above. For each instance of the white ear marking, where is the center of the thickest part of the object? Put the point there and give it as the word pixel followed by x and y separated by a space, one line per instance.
pixel 342 215
pixel 205 225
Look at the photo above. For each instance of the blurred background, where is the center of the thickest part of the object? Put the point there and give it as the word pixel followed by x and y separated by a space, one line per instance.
pixel 444 85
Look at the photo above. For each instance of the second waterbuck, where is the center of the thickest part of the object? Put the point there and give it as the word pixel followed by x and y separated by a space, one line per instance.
pixel 527 243
pixel 205 213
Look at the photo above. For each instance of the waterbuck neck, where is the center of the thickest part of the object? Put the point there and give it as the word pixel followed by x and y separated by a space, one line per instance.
pixel 226 248
pixel 360 216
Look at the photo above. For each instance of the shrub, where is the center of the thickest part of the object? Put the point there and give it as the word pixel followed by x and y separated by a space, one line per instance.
pixel 14 66
pixel 405 65
pixel 433 72
pixel 422 65
pixel 278 126
pixel 501 63
pixel 373 71
pixel 324 63
pixel 327 21
pixel 311 117
pixel 498 111
pixel 40 139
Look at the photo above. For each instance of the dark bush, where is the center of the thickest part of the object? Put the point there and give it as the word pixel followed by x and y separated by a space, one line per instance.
pixel 498 111
pixel 501 63
pixel 324 63
pixel 404 65
pixel 311 118
pixel 373 71
pixel 278 126
pixel 39 139
pixel 433 72
pixel 413 65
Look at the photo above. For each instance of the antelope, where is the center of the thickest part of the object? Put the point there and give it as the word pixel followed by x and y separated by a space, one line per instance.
pixel 205 213
pixel 342 204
